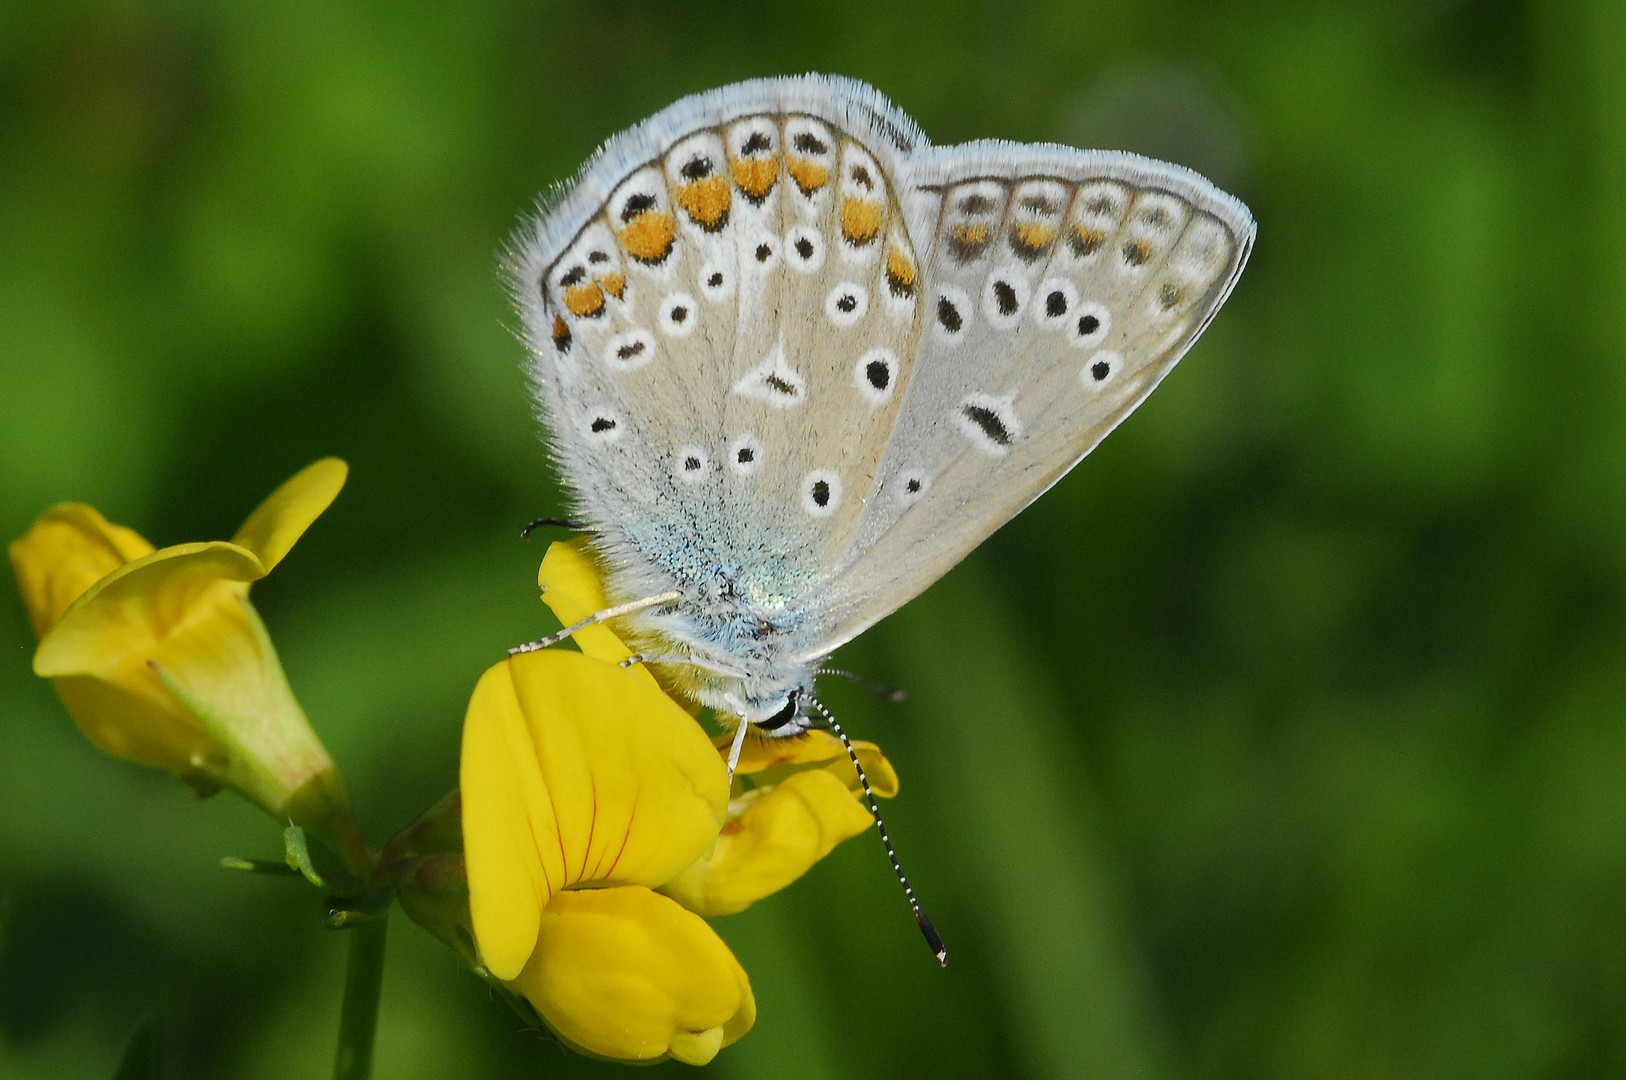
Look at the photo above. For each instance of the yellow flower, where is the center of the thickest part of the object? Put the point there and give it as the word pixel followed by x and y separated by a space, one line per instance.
pixel 797 799
pixel 586 788
pixel 576 773
pixel 160 658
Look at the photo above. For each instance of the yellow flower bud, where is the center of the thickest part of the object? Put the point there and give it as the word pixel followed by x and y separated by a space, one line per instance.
pixel 160 657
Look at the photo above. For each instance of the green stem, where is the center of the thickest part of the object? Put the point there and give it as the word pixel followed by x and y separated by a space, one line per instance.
pixel 363 981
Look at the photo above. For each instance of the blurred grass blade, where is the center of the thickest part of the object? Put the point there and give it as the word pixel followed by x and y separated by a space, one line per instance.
pixel 143 1054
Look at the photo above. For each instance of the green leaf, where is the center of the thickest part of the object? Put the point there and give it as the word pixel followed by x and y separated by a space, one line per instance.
pixel 143 1054
pixel 320 865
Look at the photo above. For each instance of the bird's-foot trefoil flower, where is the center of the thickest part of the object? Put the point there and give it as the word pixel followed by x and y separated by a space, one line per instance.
pixel 160 658
pixel 598 827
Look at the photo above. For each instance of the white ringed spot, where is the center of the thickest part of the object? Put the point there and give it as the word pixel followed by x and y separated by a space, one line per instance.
pixel 745 455
pixel 821 492
pixel 804 249
pixel 691 465
pixel 876 375
pixel 1100 367
pixel 1088 324
pixel 679 315
pixel 629 350
pixel 846 304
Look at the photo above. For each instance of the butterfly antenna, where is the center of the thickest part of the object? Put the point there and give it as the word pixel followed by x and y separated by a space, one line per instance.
pixel 926 927
pixel 563 523
pixel 885 693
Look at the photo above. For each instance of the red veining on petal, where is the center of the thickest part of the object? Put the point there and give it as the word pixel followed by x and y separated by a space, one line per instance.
pixel 592 826
pixel 631 817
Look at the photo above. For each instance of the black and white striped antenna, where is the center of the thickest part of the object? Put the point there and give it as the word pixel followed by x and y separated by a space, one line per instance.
pixel 926 928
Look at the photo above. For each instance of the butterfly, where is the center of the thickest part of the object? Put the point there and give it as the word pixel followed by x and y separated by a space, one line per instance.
pixel 795 362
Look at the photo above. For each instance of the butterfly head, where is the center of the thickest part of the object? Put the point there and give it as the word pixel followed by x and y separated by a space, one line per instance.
pixel 791 718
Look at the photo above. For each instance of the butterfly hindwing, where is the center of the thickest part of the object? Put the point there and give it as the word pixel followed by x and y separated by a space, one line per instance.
pixel 1059 292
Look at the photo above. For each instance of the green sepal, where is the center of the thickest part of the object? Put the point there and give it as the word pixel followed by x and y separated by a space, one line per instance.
pixel 347 913
pixel 320 866
pixel 144 1053
pixel 258 866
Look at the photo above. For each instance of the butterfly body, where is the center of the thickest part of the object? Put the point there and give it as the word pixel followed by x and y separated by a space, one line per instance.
pixel 796 362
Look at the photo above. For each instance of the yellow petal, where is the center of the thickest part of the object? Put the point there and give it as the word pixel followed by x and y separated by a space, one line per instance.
pixel 283 517
pixel 126 614
pixel 781 832
pixel 186 677
pixel 767 760
pixel 627 974
pixel 68 550
pixel 573 589
pixel 592 767
pixel 507 883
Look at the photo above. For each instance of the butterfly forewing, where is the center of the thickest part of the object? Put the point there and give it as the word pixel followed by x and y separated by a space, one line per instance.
pixel 1054 302
pixel 732 331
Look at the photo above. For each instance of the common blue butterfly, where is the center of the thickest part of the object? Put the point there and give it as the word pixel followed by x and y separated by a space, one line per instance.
pixel 796 362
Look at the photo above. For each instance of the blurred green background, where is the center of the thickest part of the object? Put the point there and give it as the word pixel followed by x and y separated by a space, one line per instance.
pixel 1285 738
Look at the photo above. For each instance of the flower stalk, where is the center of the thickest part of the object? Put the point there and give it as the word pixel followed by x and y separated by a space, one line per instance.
pixel 363 987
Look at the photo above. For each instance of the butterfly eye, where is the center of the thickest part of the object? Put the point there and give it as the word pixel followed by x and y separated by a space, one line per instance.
pixel 782 717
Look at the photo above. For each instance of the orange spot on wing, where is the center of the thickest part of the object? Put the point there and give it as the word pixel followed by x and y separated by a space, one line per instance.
pixel 755 176
pixel 706 201
pixel 860 220
pixel 810 176
pixel 560 330
pixel 1085 240
pixel 614 284
pixel 1033 236
pixel 648 237
pixel 584 300
pixel 900 273
pixel 971 234
pixel 968 239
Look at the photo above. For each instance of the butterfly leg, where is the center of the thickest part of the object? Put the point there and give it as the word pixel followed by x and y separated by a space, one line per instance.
pixel 734 751
pixel 597 617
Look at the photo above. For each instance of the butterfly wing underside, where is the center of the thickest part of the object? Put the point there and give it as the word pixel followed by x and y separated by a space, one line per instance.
pixel 721 340
pixel 797 363
pixel 1061 286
